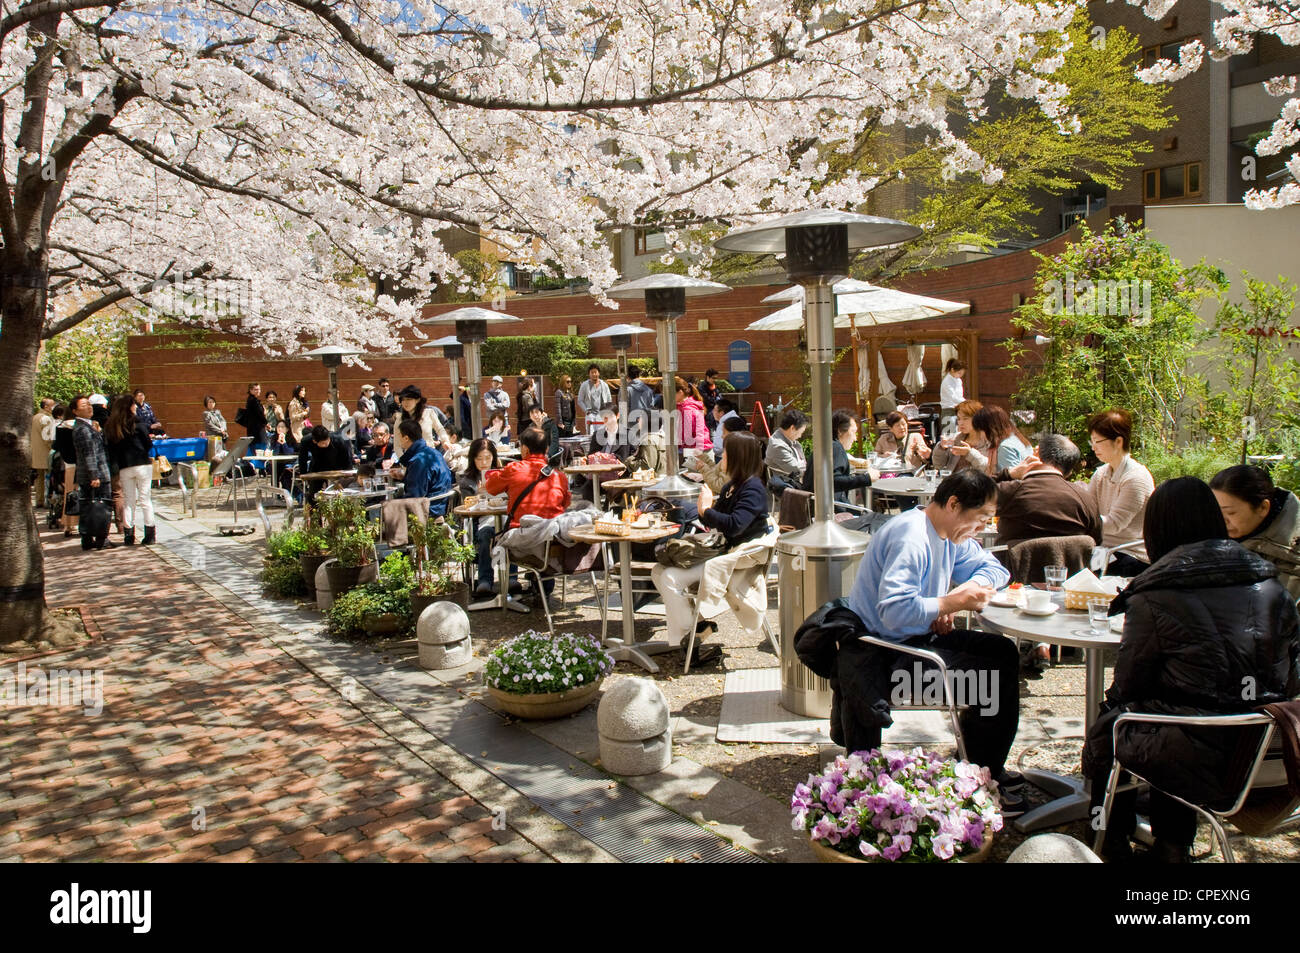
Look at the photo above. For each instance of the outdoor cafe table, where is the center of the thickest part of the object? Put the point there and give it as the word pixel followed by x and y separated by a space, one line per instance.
pixel 593 470
pixel 628 649
pixel 628 484
pixel 918 487
pixel 1067 627
pixel 273 459
pixel 498 512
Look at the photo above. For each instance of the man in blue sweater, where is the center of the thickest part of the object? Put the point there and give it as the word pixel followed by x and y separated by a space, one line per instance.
pixel 426 472
pixel 921 569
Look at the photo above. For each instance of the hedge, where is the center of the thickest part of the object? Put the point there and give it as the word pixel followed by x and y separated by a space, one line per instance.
pixel 507 356
pixel 577 368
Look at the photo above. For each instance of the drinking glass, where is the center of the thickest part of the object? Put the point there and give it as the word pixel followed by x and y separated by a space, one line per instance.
pixel 1099 615
pixel 1055 576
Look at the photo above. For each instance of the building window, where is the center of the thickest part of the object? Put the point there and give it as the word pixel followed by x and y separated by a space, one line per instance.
pixel 647 241
pixel 1171 182
pixel 1162 51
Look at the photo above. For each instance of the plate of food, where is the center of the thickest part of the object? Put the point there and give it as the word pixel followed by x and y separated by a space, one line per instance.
pixel 1010 597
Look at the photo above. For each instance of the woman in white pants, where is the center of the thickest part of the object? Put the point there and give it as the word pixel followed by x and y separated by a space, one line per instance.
pixel 129 444
pixel 740 514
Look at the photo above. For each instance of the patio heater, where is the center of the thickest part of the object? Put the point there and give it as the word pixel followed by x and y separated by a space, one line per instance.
pixel 665 302
pixel 471 331
pixel 332 356
pixel 453 351
pixel 819 563
pixel 620 338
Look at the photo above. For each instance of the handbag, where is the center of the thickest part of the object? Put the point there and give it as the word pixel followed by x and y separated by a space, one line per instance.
pixel 688 551
pixel 241 417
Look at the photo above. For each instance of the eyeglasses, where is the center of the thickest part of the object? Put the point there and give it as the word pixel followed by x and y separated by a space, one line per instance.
pixel 1093 441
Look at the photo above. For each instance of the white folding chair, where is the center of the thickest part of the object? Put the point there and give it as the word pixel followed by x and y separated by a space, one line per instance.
pixel 1265 779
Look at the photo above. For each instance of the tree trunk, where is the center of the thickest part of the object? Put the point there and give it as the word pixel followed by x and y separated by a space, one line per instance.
pixel 22 570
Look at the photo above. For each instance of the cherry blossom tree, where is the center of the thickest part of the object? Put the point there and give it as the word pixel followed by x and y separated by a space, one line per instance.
pixel 298 149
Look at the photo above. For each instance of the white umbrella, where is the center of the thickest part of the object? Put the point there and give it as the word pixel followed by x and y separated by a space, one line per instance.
pixel 914 376
pixel 842 287
pixel 886 385
pixel 858 309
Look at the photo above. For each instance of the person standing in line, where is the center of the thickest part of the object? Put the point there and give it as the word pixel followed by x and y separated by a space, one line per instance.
pixel 299 409
pixel 366 403
pixel 41 435
pixel 709 392
pixel 66 448
pixel 525 400
pixel 274 412
pixel 129 446
pixel 564 406
pixel 496 398
pixel 593 396
pixel 254 415
pixel 92 477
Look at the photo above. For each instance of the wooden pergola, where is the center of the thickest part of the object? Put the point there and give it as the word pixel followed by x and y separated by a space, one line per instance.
pixel 965 338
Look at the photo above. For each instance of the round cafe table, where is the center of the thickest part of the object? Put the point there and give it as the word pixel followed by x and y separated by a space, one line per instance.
pixel 628 484
pixel 498 512
pixel 918 487
pixel 627 648
pixel 1068 627
pixel 594 470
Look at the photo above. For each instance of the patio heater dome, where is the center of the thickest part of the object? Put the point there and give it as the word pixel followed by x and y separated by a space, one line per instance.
pixel 471 331
pixel 331 355
pixel 452 349
pixel 665 301
pixel 620 335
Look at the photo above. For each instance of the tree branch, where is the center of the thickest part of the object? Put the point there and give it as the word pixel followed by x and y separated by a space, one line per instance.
pixel 34 11
pixel 112 298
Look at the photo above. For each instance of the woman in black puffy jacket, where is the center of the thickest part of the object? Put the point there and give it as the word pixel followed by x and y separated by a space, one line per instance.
pixel 1207 631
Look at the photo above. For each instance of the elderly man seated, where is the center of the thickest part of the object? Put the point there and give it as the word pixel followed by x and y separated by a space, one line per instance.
pixel 1036 498
pixel 922 568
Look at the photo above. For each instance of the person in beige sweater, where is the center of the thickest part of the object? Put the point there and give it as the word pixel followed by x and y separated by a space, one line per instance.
pixel 1121 486
pixel 41 437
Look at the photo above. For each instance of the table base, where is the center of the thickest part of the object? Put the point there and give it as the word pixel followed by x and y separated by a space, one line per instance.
pixel 1072 802
pixel 638 652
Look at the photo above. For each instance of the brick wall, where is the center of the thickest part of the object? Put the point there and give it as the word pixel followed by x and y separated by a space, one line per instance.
pixel 176 379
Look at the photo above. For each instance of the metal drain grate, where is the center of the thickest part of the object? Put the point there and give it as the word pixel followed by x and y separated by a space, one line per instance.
pixel 620 820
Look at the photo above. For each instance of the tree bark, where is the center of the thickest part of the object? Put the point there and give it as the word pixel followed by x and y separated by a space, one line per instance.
pixel 23 276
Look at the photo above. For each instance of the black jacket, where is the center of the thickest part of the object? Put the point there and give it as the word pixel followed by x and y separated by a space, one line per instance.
pixel 1207 630
pixel 336 456
pixel 254 417
pixel 133 451
pixel 842 474
pixel 739 512
pixel 860 680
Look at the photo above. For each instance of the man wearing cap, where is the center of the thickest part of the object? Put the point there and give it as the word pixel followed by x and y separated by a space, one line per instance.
pixel 366 402
pixel 99 409
pixel 496 398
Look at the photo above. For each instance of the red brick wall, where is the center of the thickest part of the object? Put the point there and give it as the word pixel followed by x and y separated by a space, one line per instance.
pixel 176 379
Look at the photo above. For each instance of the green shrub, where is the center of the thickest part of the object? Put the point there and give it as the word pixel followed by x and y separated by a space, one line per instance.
pixel 577 368
pixel 1201 461
pixel 281 573
pixel 538 354
pixel 347 613
pixel 1287 473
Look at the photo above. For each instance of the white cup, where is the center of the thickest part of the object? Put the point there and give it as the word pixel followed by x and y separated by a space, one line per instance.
pixel 1038 600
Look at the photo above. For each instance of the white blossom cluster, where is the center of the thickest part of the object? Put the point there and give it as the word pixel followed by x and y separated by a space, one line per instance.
pixel 306 146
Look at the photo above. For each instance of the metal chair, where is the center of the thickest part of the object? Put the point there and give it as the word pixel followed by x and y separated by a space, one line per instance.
pixel 1265 779
pixel 769 543
pixel 264 493
pixel 190 489
pixel 541 570
pixel 949 705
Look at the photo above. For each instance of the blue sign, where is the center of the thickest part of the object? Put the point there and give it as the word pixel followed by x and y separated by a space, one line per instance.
pixel 738 365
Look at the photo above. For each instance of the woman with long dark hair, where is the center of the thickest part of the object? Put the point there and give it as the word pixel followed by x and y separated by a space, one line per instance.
pixel 1008 447
pixel 740 514
pixel 298 412
pixel 482 459
pixel 564 406
pixel 1204 619
pixel 127 440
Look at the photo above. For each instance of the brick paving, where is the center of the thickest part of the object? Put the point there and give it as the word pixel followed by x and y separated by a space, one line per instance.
pixel 213 744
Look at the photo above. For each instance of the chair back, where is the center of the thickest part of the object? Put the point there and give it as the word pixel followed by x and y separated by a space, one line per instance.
pixel 1027 558
pixel 233 457
pixel 796 509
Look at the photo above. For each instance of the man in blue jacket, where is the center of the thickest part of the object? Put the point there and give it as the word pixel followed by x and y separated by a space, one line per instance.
pixel 426 472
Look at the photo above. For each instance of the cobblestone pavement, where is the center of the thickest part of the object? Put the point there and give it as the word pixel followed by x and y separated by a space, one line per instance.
pixel 213 744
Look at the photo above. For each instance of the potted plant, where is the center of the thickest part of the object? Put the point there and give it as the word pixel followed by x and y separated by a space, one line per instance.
pixel 535 675
pixel 438 558
pixel 282 564
pixel 889 806
pixel 315 548
pixel 389 607
pixel 351 537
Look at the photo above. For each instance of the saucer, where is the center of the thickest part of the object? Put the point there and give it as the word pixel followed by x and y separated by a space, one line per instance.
pixel 1007 598
pixel 1040 612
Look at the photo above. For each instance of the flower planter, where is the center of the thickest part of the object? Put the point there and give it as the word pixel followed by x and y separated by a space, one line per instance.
pixel 309 566
pixel 548 705
pixel 829 855
pixel 342 578
pixel 459 595
pixel 381 623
